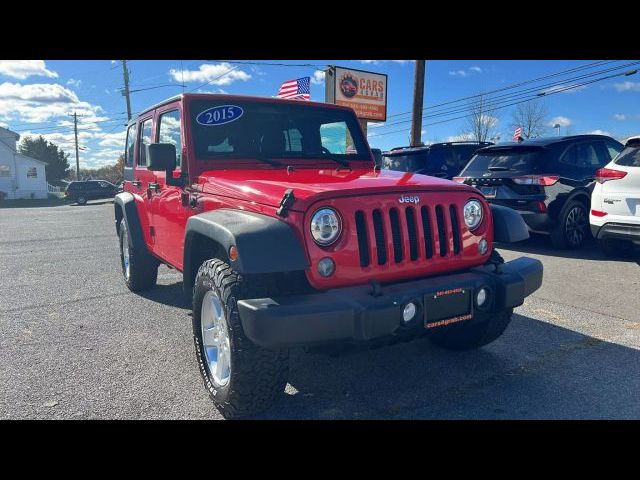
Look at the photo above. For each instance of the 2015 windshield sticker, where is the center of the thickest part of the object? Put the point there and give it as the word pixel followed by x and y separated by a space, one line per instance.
pixel 219 115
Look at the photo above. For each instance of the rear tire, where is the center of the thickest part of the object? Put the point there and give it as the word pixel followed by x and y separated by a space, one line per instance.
pixel 81 200
pixel 463 336
pixel 139 268
pixel 250 378
pixel 573 227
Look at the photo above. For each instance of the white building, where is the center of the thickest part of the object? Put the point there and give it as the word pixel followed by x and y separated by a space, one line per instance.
pixel 20 176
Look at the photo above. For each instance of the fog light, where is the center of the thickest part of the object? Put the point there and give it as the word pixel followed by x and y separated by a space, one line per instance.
pixel 326 267
pixel 482 297
pixel 409 312
pixel 483 246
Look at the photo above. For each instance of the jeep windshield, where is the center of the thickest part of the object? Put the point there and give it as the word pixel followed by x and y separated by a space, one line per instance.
pixel 518 159
pixel 229 129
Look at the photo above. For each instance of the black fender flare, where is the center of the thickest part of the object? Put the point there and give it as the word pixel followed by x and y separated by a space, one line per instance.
pixel 127 204
pixel 265 244
pixel 508 225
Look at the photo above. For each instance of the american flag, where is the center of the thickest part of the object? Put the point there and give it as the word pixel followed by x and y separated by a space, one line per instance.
pixel 299 89
pixel 517 134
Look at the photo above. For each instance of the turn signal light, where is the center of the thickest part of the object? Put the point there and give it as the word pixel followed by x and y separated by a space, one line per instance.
pixel 459 179
pixel 606 174
pixel 543 180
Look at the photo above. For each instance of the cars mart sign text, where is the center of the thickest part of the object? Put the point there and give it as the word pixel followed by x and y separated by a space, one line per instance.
pixel 365 92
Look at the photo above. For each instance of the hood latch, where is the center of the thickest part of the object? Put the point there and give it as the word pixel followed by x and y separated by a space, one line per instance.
pixel 285 203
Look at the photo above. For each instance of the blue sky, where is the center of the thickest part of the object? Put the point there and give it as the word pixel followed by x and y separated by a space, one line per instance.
pixel 36 96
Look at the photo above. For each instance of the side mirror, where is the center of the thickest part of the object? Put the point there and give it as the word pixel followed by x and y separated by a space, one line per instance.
pixel 161 157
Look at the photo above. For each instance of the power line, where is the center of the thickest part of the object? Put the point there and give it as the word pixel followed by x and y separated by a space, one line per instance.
pixel 564 85
pixel 515 85
pixel 508 105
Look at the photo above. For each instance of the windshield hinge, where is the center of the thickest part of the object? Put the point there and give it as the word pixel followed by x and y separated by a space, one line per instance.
pixel 285 203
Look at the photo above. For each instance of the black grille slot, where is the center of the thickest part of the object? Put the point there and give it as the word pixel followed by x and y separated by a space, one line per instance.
pixel 426 228
pixel 442 232
pixel 396 234
pixel 378 230
pixel 363 240
pixel 412 233
pixel 455 229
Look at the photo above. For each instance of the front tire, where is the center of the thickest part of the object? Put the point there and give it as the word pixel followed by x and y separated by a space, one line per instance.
pixel 81 200
pixel 463 336
pixel 139 268
pixel 242 379
pixel 573 227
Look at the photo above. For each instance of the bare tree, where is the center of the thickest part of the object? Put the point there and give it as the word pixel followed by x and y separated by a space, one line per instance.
pixel 531 117
pixel 480 123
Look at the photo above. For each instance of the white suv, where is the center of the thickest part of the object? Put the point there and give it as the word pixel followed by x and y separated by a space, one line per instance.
pixel 615 201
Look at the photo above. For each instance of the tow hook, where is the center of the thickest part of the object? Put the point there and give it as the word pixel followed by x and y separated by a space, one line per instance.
pixel 285 203
pixel 496 260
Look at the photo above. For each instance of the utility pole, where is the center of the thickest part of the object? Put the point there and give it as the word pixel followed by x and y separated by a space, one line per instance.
pixel 418 96
pixel 75 130
pixel 125 92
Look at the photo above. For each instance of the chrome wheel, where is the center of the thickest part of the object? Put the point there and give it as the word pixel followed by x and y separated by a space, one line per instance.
pixel 575 226
pixel 215 339
pixel 125 258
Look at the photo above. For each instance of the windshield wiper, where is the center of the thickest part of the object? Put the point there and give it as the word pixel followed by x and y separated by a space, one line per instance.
pixel 262 157
pixel 500 169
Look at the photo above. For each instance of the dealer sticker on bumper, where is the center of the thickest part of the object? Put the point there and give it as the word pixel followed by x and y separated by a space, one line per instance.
pixel 448 306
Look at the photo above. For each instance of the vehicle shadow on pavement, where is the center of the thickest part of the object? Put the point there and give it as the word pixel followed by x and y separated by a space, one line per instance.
pixel 539 244
pixel 535 370
pixel 93 202
pixel 171 295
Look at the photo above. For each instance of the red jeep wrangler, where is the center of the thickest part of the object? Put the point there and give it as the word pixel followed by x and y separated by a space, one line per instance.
pixel 288 236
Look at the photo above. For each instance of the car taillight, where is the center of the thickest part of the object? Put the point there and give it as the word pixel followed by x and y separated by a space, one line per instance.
pixel 543 180
pixel 606 174
pixel 460 179
pixel 598 213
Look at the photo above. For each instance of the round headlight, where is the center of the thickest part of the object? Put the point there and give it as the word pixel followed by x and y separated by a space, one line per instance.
pixel 472 214
pixel 325 226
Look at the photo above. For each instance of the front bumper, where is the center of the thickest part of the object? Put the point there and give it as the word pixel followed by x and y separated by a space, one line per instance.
pixel 621 231
pixel 355 314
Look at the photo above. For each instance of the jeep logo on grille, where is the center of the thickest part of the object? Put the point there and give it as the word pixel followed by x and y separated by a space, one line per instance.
pixel 409 199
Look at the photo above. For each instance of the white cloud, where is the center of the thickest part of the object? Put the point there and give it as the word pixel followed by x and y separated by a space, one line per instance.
pixel 216 74
pixel 627 87
pixel 465 73
pixel 22 69
pixel 620 116
pixel 39 102
pixel 376 125
pixel 599 132
pixel 318 77
pixel 562 121
pixel 74 83
pixel 563 89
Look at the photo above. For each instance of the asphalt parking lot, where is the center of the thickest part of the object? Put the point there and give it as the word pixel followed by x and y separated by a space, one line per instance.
pixel 75 343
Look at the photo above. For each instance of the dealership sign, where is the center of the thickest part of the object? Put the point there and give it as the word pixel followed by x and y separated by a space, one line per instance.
pixel 365 92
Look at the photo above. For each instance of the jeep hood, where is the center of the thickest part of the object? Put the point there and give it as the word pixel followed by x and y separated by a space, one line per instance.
pixel 268 186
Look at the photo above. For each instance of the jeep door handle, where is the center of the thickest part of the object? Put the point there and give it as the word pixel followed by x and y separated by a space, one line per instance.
pixel 136 183
pixel 154 186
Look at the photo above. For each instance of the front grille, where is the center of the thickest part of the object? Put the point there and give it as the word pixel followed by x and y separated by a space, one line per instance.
pixel 407 234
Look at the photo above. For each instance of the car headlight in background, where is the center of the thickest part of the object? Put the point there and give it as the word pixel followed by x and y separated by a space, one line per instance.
pixel 472 214
pixel 326 226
